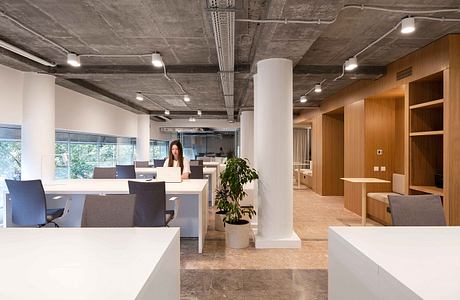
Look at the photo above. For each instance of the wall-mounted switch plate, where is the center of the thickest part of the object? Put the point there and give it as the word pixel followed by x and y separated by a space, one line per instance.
pixel 376 168
pixel 379 151
pixel 383 168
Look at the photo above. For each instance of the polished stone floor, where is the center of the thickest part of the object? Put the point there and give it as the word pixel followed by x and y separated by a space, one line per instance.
pixel 223 273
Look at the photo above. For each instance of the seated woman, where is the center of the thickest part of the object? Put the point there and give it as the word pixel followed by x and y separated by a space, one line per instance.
pixel 177 159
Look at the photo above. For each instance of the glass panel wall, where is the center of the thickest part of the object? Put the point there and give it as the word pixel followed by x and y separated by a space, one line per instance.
pixel 158 149
pixel 211 144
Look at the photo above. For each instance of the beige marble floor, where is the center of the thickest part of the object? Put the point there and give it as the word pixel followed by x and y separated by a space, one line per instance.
pixel 221 272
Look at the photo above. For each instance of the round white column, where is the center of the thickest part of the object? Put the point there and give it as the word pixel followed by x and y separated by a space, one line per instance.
pixel 273 151
pixel 247 136
pixel 38 127
pixel 143 137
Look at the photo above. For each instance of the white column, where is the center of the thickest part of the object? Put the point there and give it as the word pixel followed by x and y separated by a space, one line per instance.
pixel 38 127
pixel 273 154
pixel 247 135
pixel 143 137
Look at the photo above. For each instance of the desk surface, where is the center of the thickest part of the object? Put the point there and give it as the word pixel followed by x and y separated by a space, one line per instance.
pixel 117 186
pixel 424 259
pixel 206 171
pixel 365 180
pixel 80 263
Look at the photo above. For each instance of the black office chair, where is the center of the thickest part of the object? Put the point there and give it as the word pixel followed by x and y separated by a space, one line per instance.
pixel 150 209
pixel 196 172
pixel 141 163
pixel 126 172
pixel 158 162
pixel 104 173
pixel 28 203
pixel 196 162
pixel 108 211
pixel 416 210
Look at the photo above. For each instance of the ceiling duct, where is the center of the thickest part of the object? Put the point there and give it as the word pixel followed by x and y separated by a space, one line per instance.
pixel 223 24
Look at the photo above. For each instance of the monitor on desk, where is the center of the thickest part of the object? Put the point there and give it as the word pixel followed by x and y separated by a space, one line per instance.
pixel 168 174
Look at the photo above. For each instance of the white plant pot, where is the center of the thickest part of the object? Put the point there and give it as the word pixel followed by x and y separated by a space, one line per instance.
pixel 219 222
pixel 237 235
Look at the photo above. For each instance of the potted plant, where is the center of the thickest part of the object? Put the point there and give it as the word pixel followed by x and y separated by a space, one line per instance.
pixel 222 206
pixel 237 173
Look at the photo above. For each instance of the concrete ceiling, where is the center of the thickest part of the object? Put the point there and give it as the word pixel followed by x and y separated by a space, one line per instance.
pixel 182 32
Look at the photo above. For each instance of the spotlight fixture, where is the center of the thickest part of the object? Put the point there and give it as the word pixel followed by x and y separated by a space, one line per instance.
pixel 192 119
pixel 231 121
pixel 351 64
pixel 198 112
pixel 167 112
pixel 186 98
pixel 318 88
pixel 73 59
pixel 408 25
pixel 303 99
pixel 139 96
pixel 157 61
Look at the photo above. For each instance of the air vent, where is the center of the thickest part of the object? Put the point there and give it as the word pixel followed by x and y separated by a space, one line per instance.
pixel 404 73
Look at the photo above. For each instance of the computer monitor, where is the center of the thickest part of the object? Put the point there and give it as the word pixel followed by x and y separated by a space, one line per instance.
pixel 168 174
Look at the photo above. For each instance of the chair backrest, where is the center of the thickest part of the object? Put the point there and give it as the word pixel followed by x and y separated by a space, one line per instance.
pixel 158 162
pixel 104 173
pixel 416 210
pixel 196 172
pixel 109 211
pixel 126 172
pixel 141 163
pixel 150 203
pixel 398 183
pixel 28 202
pixel 196 162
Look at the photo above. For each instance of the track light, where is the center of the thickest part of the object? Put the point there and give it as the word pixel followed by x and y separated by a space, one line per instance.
pixel 167 112
pixel 157 61
pixel 407 25
pixel 73 59
pixel 192 119
pixel 198 112
pixel 186 98
pixel 139 96
pixel 318 88
pixel 351 63
pixel 303 99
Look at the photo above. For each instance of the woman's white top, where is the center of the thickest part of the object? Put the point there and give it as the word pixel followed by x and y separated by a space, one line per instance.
pixel 176 164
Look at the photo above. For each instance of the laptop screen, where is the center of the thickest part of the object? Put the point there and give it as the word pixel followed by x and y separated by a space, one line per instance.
pixel 168 174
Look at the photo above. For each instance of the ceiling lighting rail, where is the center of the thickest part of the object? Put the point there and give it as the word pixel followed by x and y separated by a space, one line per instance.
pixel 26 54
pixel 317 89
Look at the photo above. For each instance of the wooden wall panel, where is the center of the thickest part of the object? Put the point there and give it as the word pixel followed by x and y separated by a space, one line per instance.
pixel 353 153
pixel 333 163
pixel 317 153
pixel 400 140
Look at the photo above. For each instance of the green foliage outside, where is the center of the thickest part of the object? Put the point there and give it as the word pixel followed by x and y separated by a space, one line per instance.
pixel 10 159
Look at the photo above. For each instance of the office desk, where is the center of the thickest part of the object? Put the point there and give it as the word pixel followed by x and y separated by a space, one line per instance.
pixel 299 165
pixel 364 182
pixel 394 263
pixel 89 263
pixel 192 216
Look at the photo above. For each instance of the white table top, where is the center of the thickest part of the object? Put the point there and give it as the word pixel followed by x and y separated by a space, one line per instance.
pixel 206 171
pixel 424 259
pixel 211 163
pixel 365 180
pixel 79 263
pixel 117 186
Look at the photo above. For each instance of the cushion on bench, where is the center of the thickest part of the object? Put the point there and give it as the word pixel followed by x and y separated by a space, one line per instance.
pixel 382 197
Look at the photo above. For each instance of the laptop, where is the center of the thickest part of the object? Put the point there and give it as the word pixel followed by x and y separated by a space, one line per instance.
pixel 168 174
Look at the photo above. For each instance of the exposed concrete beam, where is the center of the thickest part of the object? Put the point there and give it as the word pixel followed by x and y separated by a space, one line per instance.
pixel 190 113
pixel 24 62
pixel 324 70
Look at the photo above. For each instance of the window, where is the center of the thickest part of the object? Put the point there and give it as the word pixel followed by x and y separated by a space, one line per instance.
pixel 10 152
pixel 158 149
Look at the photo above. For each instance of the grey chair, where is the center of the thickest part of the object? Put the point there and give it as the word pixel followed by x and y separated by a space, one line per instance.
pixel 126 172
pixel 141 163
pixel 109 211
pixel 196 162
pixel 158 162
pixel 104 173
pixel 196 172
pixel 416 210
pixel 28 203
pixel 150 209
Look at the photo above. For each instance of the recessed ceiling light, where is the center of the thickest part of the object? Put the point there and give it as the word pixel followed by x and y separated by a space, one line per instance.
pixel 139 96
pixel 167 112
pixel 198 112
pixel 303 99
pixel 157 61
pixel 407 25
pixel 73 59
pixel 186 98
pixel 318 88
pixel 351 64
pixel 192 119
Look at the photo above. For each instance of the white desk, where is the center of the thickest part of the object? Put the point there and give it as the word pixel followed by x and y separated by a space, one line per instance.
pixel 394 263
pixel 192 217
pixel 89 263
pixel 299 165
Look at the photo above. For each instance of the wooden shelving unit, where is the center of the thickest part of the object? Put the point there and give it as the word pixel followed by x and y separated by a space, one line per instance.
pixel 426 133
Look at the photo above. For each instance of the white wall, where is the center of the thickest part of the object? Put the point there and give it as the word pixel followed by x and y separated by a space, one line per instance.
pixel 11 85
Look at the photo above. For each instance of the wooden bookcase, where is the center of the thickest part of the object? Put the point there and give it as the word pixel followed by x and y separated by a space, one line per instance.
pixel 426 133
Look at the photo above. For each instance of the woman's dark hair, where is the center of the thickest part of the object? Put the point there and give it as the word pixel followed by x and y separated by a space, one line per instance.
pixel 180 160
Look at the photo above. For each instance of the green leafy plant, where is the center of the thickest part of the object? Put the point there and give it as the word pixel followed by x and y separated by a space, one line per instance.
pixel 236 174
